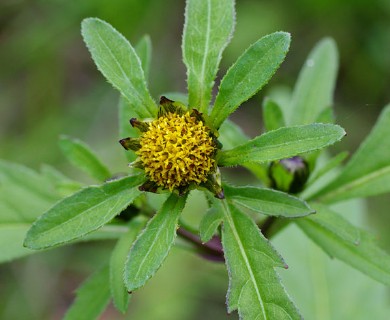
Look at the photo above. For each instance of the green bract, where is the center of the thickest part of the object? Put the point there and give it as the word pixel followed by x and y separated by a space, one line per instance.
pixel 236 222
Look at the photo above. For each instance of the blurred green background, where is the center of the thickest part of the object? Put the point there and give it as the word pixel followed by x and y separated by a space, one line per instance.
pixel 50 86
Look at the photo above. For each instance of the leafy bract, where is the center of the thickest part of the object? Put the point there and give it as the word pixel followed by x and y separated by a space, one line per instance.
pixel 313 91
pixel 92 297
pixel 368 171
pixel 119 294
pixel 208 28
pixel 340 239
pixel 283 143
pixel 82 157
pixel 254 287
pixel 267 201
pixel 82 212
pixel 249 74
pixel 153 244
pixel 272 115
pixel 118 62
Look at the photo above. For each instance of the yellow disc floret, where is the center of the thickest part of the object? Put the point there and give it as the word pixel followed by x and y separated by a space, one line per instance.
pixel 177 150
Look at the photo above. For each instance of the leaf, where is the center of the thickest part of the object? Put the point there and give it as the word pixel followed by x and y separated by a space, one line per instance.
pixel 208 28
pixel 144 52
pixel 313 91
pixel 153 244
pixel 368 171
pixel 268 201
pixel 231 135
pixel 18 183
pixel 254 286
pixel 11 241
pixel 249 74
pixel 82 212
pixel 283 143
pixel 118 62
pixel 272 115
pixel 82 157
pixel 338 238
pixel 92 297
pixel 119 294
pixel 210 221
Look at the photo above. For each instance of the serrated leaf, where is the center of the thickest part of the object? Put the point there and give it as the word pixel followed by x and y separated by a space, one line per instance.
pixel 11 241
pixel 81 156
pixel 92 297
pixel 283 143
pixel 272 115
pixel 119 294
pixel 208 28
pixel 253 69
pixel 313 91
pixel 337 237
pixel 144 51
pixel 153 244
pixel 118 62
pixel 368 171
pixel 267 201
pixel 254 286
pixel 210 222
pixel 82 212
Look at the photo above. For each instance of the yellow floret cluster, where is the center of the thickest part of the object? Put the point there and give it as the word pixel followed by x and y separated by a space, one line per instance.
pixel 177 150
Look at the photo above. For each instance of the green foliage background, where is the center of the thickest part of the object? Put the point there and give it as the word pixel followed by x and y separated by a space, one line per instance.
pixel 49 86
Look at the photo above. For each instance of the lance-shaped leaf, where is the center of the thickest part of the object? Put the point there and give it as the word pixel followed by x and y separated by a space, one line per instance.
pixel 368 171
pixel 211 220
pixel 313 91
pixel 208 28
pixel 153 244
pixel 268 201
pixel 144 51
pixel 82 157
pixel 118 62
pixel 254 286
pixel 337 237
pixel 283 143
pixel 119 294
pixel 272 115
pixel 82 212
pixel 249 74
pixel 92 297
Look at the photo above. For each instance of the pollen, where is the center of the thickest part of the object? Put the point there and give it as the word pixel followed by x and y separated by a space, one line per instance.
pixel 177 150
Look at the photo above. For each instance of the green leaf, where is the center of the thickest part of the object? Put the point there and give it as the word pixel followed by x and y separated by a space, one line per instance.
pixel 11 241
pixel 82 212
pixel 153 244
pixel 283 143
pixel 368 171
pixel 272 115
pixel 210 221
pixel 231 135
pixel 254 286
pixel 119 294
pixel 144 52
pixel 21 183
pixel 249 74
pixel 208 28
pixel 92 297
pixel 337 237
pixel 82 157
pixel 267 201
pixel 118 62
pixel 313 91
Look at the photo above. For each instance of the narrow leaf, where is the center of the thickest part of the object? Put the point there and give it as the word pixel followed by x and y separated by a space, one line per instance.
pixel 283 143
pixel 231 135
pixel 153 244
pixel 254 286
pixel 208 28
pixel 144 52
pixel 118 62
pixel 82 212
pixel 82 157
pixel 249 74
pixel 268 201
pixel 272 115
pixel 119 294
pixel 210 221
pixel 368 171
pixel 337 237
pixel 314 89
pixel 92 297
